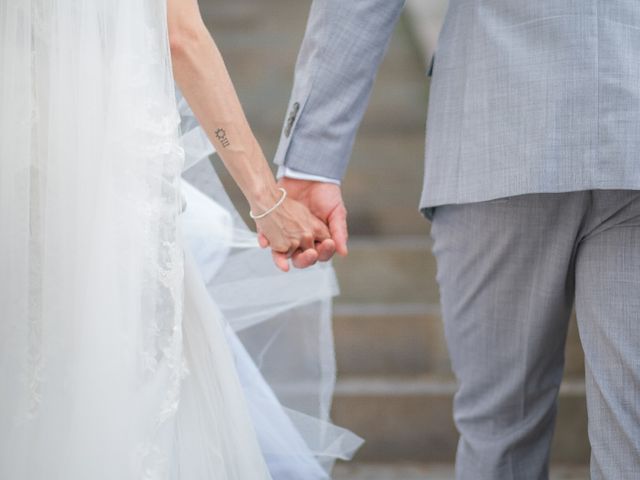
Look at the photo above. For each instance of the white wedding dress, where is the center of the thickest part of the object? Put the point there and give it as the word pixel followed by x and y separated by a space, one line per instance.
pixel 143 334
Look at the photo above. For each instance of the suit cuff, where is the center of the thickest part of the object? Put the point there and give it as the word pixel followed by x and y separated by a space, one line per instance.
pixel 298 175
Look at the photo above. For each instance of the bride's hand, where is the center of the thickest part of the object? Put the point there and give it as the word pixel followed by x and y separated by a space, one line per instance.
pixel 289 228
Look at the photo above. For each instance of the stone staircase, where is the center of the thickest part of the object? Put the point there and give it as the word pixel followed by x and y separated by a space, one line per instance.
pixel 395 386
pixel 409 471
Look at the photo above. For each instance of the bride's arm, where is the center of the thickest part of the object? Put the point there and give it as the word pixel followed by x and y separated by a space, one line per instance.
pixel 200 72
pixel 202 76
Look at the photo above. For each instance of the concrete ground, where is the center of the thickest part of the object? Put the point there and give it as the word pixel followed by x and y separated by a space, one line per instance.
pixel 357 471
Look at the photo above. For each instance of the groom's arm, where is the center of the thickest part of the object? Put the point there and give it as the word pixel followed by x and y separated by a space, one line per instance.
pixel 339 58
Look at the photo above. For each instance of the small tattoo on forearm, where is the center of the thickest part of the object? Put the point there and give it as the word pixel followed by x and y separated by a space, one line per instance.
pixel 221 135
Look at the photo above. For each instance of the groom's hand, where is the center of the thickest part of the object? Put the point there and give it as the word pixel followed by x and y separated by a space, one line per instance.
pixel 324 200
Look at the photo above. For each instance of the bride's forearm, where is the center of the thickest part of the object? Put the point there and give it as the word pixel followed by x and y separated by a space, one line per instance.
pixel 200 72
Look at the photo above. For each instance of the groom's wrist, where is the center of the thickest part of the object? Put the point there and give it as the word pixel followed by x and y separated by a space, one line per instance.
pixel 288 172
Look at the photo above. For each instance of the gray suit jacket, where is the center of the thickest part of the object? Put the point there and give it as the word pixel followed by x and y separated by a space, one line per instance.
pixel 526 96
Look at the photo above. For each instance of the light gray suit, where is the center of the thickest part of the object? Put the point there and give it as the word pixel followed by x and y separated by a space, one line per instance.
pixel 534 97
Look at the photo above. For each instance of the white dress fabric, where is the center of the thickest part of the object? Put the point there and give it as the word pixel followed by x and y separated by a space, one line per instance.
pixel 115 362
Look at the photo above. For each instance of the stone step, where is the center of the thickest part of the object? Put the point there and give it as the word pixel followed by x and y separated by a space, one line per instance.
pixel 393 270
pixel 416 471
pixel 383 184
pixel 425 22
pixel 408 339
pixel 404 339
pixel 410 419
pixel 262 63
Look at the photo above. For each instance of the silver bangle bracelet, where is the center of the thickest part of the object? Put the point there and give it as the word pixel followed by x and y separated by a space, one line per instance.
pixel 267 212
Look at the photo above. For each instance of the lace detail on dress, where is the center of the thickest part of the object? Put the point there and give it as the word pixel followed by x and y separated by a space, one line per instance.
pixel 156 179
pixel 162 352
pixel 35 355
pixel 91 341
pixel 35 361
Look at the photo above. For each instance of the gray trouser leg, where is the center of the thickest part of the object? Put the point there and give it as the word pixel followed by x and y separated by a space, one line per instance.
pixel 608 310
pixel 507 275
pixel 506 296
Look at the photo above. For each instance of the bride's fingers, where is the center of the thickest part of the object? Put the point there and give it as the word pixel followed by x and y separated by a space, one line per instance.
pixel 281 261
pixel 304 259
pixel 307 242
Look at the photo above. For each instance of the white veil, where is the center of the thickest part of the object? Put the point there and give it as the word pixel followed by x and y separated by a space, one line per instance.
pixel 91 257
pixel 91 260
pixel 282 320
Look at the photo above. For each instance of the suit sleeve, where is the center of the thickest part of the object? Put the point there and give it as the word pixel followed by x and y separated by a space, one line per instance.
pixel 343 46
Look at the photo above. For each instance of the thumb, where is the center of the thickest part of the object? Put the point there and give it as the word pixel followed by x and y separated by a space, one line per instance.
pixel 339 229
pixel 320 230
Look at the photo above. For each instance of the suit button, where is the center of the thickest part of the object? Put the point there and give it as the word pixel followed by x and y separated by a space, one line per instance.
pixel 430 71
pixel 292 119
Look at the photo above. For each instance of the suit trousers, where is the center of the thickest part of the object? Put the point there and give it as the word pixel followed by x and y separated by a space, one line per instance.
pixel 509 271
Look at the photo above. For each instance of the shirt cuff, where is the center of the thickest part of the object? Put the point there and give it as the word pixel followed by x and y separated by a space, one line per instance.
pixel 291 173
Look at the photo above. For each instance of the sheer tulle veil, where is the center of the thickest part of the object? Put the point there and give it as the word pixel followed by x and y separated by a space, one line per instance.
pixel 92 261
pixel 285 355
pixel 92 268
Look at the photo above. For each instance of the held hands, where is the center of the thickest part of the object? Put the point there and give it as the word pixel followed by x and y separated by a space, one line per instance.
pixel 290 229
pixel 309 209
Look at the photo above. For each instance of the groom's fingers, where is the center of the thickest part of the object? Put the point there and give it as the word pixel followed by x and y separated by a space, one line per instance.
pixel 339 231
pixel 299 258
pixel 304 259
pixel 320 231
pixel 326 250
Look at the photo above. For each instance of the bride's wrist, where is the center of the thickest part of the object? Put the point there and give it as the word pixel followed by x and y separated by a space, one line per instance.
pixel 264 197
